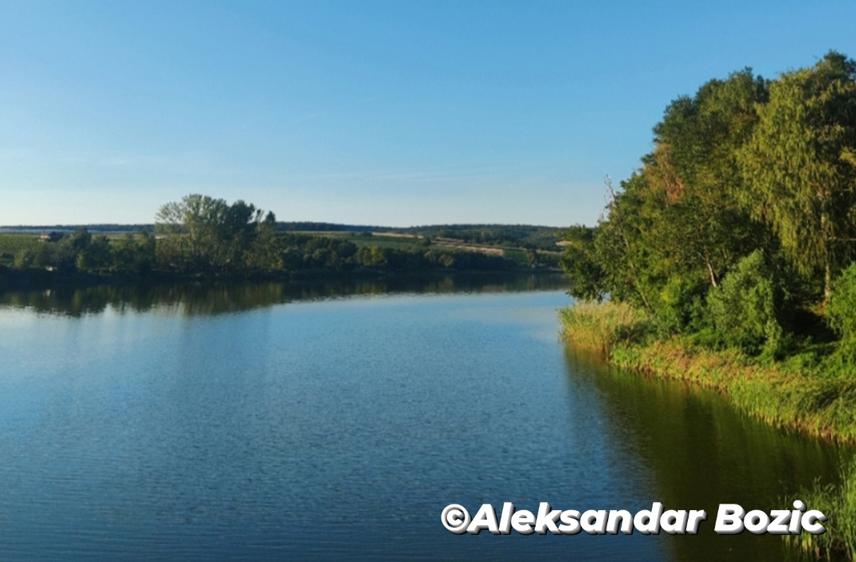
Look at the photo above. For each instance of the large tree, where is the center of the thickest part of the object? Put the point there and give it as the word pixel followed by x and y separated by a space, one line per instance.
pixel 201 232
pixel 693 177
pixel 800 165
pixel 676 222
pixel 581 265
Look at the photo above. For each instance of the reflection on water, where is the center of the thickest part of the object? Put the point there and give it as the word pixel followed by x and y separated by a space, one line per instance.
pixel 338 430
pixel 700 452
pixel 219 298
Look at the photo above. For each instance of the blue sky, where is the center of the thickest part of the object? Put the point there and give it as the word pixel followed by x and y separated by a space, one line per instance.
pixel 393 113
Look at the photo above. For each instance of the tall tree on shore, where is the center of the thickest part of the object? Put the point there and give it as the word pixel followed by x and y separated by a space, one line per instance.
pixel 266 251
pixel 620 248
pixel 203 233
pixel 581 264
pixel 800 166
pixel 693 177
pixel 676 224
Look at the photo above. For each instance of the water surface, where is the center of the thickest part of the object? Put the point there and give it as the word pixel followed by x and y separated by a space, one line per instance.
pixel 261 422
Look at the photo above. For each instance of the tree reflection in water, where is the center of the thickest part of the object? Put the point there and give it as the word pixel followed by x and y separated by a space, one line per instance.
pixel 201 298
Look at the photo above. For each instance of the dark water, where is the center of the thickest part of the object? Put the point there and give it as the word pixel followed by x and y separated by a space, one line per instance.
pixel 266 422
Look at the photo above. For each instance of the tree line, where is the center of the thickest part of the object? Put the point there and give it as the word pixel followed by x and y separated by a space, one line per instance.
pixel 203 235
pixel 740 224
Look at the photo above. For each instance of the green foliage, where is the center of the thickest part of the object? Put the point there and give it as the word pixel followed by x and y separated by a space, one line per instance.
pixel 814 398
pixel 506 235
pixel 680 306
pixel 372 256
pixel 70 248
pixel 201 233
pixel 745 167
pixel 602 326
pixel 695 225
pixel 82 252
pixel 676 219
pixel 95 255
pixel 265 253
pixel 580 264
pixel 134 255
pixel 839 503
pixel 745 309
pixel 715 253
pixel 627 269
pixel 800 165
pixel 517 235
pixel 841 310
pixel 11 244
pixel 24 259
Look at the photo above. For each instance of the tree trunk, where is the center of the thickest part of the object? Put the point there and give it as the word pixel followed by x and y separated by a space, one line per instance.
pixel 710 271
pixel 827 257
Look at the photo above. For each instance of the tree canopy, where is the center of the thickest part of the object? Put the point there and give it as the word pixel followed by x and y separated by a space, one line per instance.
pixel 800 165
pixel 745 166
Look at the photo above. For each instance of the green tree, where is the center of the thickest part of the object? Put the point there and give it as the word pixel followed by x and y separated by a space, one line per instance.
pixel 201 233
pixel 627 267
pixel 372 256
pixel 745 310
pixel 581 265
pixel 678 215
pixel 800 166
pixel 266 250
pixel 24 258
pixel 96 256
pixel 842 305
pixel 697 226
pixel 134 254
pixel 65 257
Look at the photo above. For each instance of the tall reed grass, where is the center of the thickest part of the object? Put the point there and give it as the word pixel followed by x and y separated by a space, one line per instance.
pixel 601 326
pixel 839 504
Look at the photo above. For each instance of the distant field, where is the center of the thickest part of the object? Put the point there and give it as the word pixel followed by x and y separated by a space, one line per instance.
pixel 407 241
pixel 382 240
pixel 10 244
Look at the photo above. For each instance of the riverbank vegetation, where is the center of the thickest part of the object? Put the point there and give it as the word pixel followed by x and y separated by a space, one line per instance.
pixel 840 501
pixel 729 258
pixel 812 389
pixel 205 237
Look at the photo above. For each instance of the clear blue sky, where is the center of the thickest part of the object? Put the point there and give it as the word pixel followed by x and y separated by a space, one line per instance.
pixel 374 113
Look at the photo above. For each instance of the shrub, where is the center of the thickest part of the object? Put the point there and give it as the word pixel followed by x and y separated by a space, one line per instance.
pixel 744 309
pixel 24 258
pixel 600 326
pixel 841 312
pixel 680 307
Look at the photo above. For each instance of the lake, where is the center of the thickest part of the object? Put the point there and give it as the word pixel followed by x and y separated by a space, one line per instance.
pixel 330 422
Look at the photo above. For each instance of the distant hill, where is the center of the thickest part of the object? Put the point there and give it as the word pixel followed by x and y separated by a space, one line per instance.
pixel 96 228
pixel 522 235
pixel 308 226
pixel 519 235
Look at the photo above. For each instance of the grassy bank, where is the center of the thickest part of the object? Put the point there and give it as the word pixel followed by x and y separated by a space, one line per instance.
pixel 812 390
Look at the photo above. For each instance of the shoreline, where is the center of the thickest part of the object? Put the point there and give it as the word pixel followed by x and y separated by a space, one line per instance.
pixel 38 279
pixel 779 393
pixel 801 394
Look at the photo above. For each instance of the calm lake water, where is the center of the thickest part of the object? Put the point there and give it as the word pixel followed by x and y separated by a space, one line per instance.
pixel 272 422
